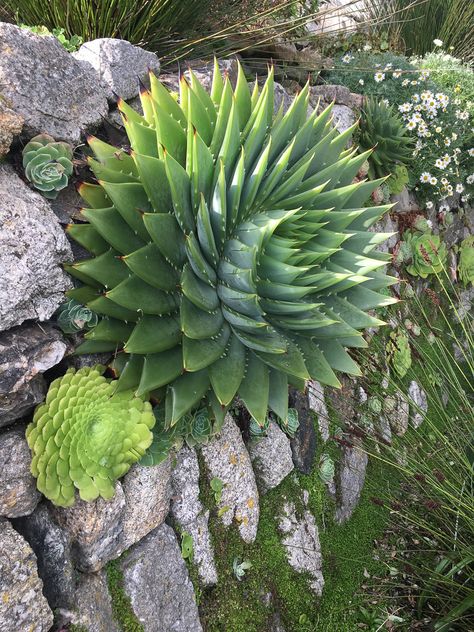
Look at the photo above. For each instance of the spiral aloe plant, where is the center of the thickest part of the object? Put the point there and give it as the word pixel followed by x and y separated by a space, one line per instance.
pixel 230 250
pixel 47 164
pixel 382 129
pixel 86 435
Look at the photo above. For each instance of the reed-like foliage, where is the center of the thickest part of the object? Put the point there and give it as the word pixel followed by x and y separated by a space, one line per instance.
pixel 414 24
pixel 432 512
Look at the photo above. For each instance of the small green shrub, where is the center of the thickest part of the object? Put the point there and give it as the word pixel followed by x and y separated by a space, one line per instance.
pixel 86 435
pixel 382 129
pixel 70 45
pixel 47 164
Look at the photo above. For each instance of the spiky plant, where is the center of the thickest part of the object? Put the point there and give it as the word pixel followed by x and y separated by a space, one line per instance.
pixel 86 435
pixel 230 249
pixel 382 129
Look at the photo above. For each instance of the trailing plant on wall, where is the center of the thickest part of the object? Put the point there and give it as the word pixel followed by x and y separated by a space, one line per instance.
pixel 86 435
pixel 230 250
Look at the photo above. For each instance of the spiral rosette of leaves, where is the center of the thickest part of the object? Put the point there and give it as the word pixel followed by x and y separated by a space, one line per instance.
pixel 383 130
pixel 73 317
pixel 86 435
pixel 428 254
pixel 231 251
pixel 47 164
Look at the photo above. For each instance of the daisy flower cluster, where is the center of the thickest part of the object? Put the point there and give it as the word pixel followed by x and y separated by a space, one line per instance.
pixel 439 120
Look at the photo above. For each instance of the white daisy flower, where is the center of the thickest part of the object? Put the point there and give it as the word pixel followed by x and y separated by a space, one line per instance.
pixel 439 163
pixel 347 58
pixel 405 82
pixel 405 107
pixel 444 208
pixel 379 76
pixel 454 136
pixel 415 97
pixel 411 124
pixel 433 180
pixel 447 141
pixel 367 47
pixel 444 181
pixel 459 188
pixel 361 82
pixel 414 82
pixel 397 73
pixel 437 42
pixel 471 151
pixel 438 129
pixel 470 179
pixel 425 176
pixel 429 204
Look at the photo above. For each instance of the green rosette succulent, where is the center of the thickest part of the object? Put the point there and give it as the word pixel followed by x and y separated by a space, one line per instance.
pixel 327 469
pixel 47 164
pixel 258 430
pixel 86 435
pixel 73 317
pixel 230 250
pixel 382 129
pixel 197 427
pixel 291 424
pixel 466 261
pixel 428 254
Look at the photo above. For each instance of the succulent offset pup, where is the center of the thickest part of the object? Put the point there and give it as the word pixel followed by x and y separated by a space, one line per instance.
pixel 86 435
pixel 47 164
pixel 230 249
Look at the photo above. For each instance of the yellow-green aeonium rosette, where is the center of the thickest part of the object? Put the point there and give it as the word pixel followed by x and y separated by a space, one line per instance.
pixel 86 435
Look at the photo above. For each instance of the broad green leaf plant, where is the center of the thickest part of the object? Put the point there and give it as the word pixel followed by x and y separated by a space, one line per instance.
pixel 230 250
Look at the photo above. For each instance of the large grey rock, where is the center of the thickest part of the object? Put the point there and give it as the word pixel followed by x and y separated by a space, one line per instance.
pixel 318 405
pixel 93 605
pixel 350 481
pixel 18 493
pixel 190 515
pixel 32 247
pixel 343 117
pixel 418 403
pixel 396 409
pixel 94 529
pixel 301 541
pixel 329 93
pixel 11 125
pixel 55 93
pixel 25 353
pixel 156 579
pixel 147 493
pixel 303 444
pixel 226 458
pixel 101 530
pixel 271 457
pixel 404 201
pixel 22 604
pixel 119 65
pixel 386 225
pixel 52 547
